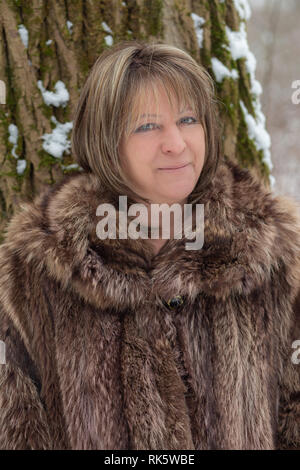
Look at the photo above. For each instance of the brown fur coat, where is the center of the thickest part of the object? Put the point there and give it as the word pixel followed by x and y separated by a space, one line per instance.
pixel 96 360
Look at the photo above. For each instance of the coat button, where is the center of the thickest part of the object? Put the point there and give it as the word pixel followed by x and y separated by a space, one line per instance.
pixel 174 302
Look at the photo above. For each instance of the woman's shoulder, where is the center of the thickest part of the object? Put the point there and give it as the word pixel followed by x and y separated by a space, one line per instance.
pixel 38 236
pixel 251 235
pixel 56 208
pixel 252 197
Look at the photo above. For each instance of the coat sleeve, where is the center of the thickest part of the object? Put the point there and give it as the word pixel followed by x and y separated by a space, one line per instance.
pixel 23 421
pixel 288 436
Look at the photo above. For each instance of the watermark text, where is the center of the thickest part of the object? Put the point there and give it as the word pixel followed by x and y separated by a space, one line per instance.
pixel 158 222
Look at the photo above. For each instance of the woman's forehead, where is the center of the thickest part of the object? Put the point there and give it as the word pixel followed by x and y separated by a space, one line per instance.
pixel 146 103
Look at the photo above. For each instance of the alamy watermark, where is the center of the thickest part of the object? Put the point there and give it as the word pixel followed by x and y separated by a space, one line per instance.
pixel 296 95
pixel 2 352
pixel 160 216
pixel 296 354
pixel 2 92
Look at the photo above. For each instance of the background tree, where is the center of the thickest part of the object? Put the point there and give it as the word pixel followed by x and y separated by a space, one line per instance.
pixel 47 49
pixel 274 35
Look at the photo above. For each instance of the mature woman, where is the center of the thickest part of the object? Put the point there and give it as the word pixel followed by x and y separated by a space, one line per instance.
pixel 119 342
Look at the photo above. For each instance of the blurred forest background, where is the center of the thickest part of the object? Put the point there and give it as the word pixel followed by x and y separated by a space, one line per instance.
pixel 274 38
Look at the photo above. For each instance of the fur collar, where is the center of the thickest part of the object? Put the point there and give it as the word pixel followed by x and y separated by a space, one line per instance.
pixel 248 234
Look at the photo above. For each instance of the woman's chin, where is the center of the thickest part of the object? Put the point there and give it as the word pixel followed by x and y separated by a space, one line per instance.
pixel 173 198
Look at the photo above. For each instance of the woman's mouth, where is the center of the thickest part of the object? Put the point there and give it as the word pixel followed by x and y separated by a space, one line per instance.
pixel 174 168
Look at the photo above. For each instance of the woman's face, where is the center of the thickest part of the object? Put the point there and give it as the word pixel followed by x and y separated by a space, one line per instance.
pixel 157 146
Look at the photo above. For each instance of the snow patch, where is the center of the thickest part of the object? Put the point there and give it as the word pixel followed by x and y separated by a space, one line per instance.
pixel 238 43
pixel 58 98
pixel 243 8
pixel 106 27
pixel 258 133
pixel 198 23
pixel 70 26
pixel 57 142
pixel 221 71
pixel 109 40
pixel 272 181
pixel 13 138
pixel 23 32
pixel 239 48
pixel 72 166
pixel 21 165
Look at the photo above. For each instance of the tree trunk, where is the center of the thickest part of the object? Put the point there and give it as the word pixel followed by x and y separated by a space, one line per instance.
pixel 60 51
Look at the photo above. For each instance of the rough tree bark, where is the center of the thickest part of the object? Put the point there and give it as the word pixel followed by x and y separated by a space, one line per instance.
pixel 71 54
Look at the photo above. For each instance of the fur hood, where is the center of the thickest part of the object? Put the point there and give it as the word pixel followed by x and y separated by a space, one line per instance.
pixel 215 373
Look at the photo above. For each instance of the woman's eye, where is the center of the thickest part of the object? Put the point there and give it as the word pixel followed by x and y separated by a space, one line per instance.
pixel 145 128
pixel 189 117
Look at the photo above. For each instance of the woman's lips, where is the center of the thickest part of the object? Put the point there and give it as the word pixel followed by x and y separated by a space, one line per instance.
pixel 174 169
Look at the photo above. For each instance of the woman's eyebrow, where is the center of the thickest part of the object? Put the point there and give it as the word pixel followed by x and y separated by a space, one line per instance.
pixel 159 115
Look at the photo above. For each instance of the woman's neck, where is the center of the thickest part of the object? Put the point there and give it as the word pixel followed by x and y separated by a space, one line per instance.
pixel 158 242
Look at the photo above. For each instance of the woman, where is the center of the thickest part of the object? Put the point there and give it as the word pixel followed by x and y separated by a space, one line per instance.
pixel 119 342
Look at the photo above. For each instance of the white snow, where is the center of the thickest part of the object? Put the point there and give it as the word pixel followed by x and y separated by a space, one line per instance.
pixel 106 27
pixel 70 26
pixel 258 133
pixel 198 23
pixel 239 48
pixel 23 34
pixel 49 42
pixel 272 181
pixel 58 98
pixel 13 133
pixel 71 166
pixel 221 71
pixel 109 40
pixel 238 43
pixel 57 142
pixel 21 165
pixel 243 8
pixel 13 138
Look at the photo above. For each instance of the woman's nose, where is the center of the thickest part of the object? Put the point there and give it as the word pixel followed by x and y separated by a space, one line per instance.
pixel 173 141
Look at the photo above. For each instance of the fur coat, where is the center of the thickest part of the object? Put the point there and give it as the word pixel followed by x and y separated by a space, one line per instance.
pixel 95 357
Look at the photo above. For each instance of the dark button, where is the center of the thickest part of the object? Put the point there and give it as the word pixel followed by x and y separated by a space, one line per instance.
pixel 174 302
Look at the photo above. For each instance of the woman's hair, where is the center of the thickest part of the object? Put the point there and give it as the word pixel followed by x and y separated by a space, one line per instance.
pixel 114 96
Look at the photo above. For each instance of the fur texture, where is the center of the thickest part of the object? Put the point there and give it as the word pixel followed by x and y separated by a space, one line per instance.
pixel 94 358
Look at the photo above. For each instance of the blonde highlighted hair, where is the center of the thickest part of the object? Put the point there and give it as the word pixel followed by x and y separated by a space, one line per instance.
pixel 114 96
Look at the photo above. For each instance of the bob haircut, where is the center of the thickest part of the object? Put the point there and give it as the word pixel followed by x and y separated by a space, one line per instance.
pixel 116 93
